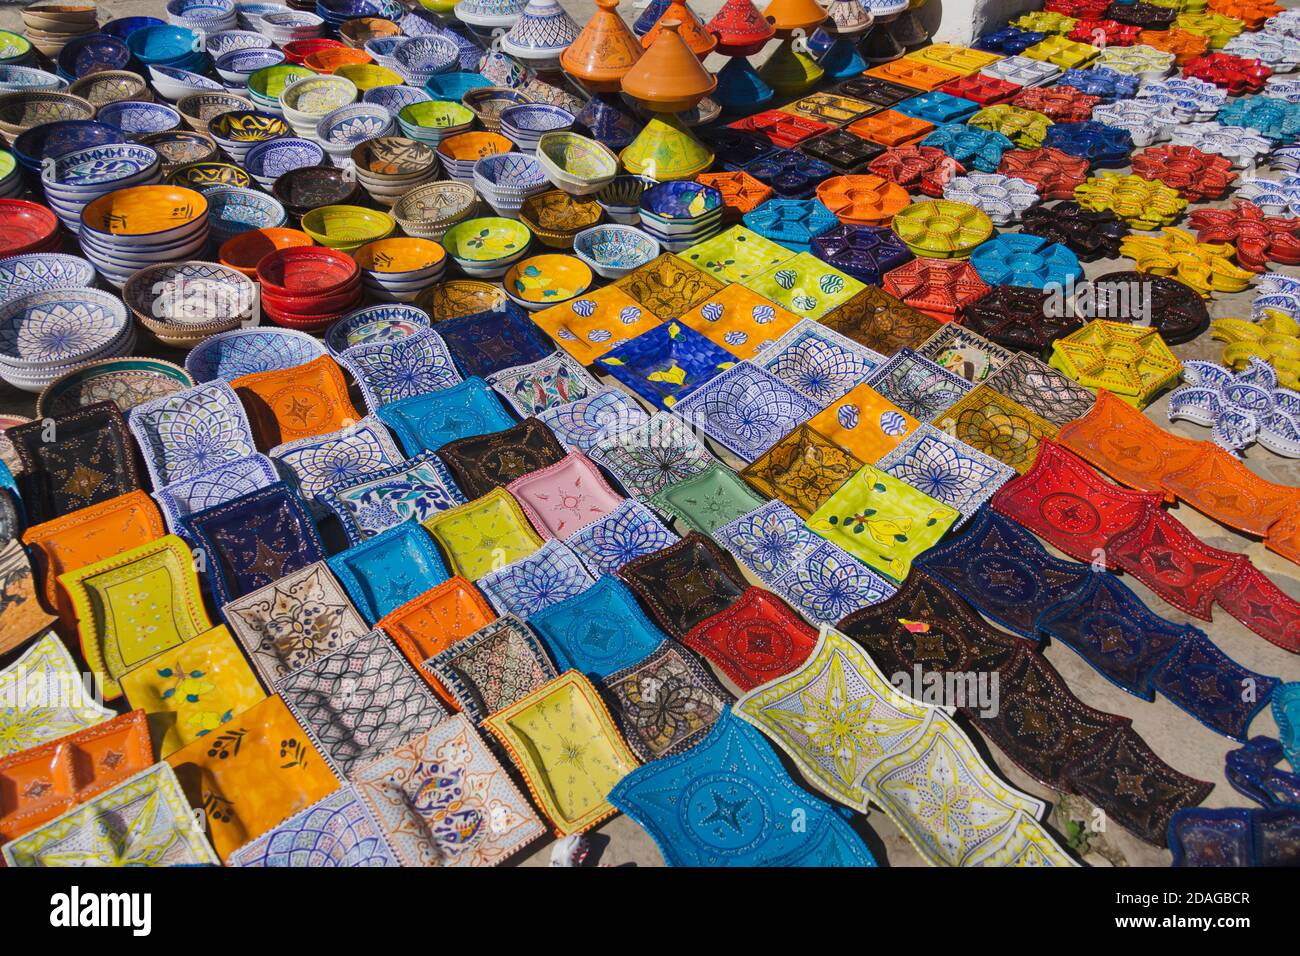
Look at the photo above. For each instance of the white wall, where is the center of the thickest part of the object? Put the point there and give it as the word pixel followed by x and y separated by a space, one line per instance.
pixel 961 21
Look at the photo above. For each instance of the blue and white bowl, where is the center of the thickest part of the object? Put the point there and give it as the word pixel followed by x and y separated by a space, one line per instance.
pixel 233 209
pixel 374 324
pixel 285 26
pixel 208 16
pixel 394 98
pixel 22 78
pixel 42 333
pixel 540 35
pixel 92 54
pixel 237 66
pixel 88 173
pixel 339 131
pixel 613 250
pixel 267 162
pixel 229 355
pixel 507 179
pixel 227 41
pixel 38 271
pixel 419 59
pixel 136 118
pixel 524 124
pixel 621 197
pixel 174 84
pixel 381 50
pixel 51 140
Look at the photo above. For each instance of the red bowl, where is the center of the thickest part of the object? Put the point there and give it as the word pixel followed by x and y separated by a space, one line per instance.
pixel 345 298
pixel 306 271
pixel 26 227
pixel 299 50
pixel 311 323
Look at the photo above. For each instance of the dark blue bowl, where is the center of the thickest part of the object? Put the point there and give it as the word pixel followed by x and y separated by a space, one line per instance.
pixel 123 27
pixel 52 140
pixel 91 54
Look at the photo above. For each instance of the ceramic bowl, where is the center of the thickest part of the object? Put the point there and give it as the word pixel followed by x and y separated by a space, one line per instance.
pixel 123 27
pixel 144 216
pixel 227 41
pixel 305 102
pixel 244 251
pixel 555 217
pixel 339 131
pixel 238 131
pixel 178 147
pixel 26 227
pixel 393 159
pixel 454 86
pixel 51 140
pixel 18 78
pixel 683 202
pixel 230 355
pixel 266 85
pixel 507 179
pixel 308 188
pixel 428 211
pixel 347 227
pixel 188 301
pixel 23 109
pixel 111 86
pixel 419 59
pixel 38 271
pixel 327 61
pixel 126 381
pixel 357 33
pixel 91 54
pixel 621 197
pixel 614 250
pixel 526 123
pixel 163 44
pixel 175 84
pixel 488 102
pixel 267 162
pixel 135 118
pixel 297 51
pixel 52 327
pixel 299 271
pixel 381 50
pixel 237 66
pixel 401 259
pixel 576 164
pixel 434 120
pixel 367 76
pixel 87 173
pixel 202 176
pixel 377 323
pixel 233 209
pixel 487 247
pixel 199 109
pixel 540 282
pixel 394 98
pixel 459 153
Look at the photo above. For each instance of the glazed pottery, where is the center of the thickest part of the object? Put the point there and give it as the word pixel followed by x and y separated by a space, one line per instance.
pixel 668 78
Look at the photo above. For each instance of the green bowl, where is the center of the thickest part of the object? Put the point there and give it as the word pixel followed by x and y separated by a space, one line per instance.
pixel 269 82
pixel 436 114
pixel 486 239
pixel 347 227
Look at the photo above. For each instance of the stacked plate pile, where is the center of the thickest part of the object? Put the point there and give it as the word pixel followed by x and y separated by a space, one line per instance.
pixel 267 162
pixel 433 121
pixel 397 270
pixel 27 227
pixel 507 179
pixel 341 130
pixel 45 334
pixel 168 45
pixel 680 214
pixel 459 153
pixel 203 16
pixel 391 166
pixel 287 26
pixel 526 124
pixel 128 229
pixel 420 59
pixel 173 84
pixel 75 180
pixel 430 210
pixel 234 209
pixel 308 287
pixel 50 26
pixel 305 102
pixel 183 303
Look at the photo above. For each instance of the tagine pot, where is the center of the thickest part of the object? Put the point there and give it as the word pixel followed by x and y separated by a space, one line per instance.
pixel 603 51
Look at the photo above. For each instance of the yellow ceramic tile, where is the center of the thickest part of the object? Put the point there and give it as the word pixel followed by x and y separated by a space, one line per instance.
pixel 594 323
pixel 484 535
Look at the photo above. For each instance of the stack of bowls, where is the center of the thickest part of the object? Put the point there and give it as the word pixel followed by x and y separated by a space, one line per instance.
pixel 203 16
pixel 92 53
pixel 381 50
pixel 52 140
pixel 612 250
pixel 50 25
pixel 300 191
pixel 236 209
pixel 246 250
pixel 341 130
pixel 251 14
pixel 184 303
pixel 168 46
pixel 305 102
pixel 487 102
pixel 136 118
pixel 73 181
pixel 576 164
pixel 199 109
pixel 27 227
pixel 37 271
pixel 679 214
pixel 394 98
pixel 288 26
pixel 24 109
pixel 459 153
pixel 227 41
pixel 397 270
pixel 267 162
pixel 334 58
pixel 433 121
pixel 45 334
pixel 266 85
pixel 203 176
pixel 391 166
pixel 347 227
pixel 420 59
pixel 11 176
pixel 128 229
pixel 307 287
pixel 239 131
pixel 335 13
pixel 507 179
pixel 298 51
pixel 486 248
pixel 527 123
pixel 173 84
pixel 428 211
pixel 454 86
pixel 14 78
pixel 16 50
pixel 367 76
pixel 237 66
pixel 111 86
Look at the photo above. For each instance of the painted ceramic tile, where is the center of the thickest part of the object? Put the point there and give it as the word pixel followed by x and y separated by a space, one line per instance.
pixel 590 325
pixel 191 431
pixel 918 386
pixel 817 362
pixel 1042 389
pixel 336 831
pixel 740 321
pixel 443 799
pixel 254 540
pixel 554 380
pixel 191 690
pixel 487 342
pixel 964 353
pixel 480 463
pixel 215 487
pixel 718 803
pixel 349 454
pixel 882 521
pixel 805 285
pixel 946 469
pixel 73 461
pixel 669 285
pixel 627 532
pixel 252 774
pixel 414 490
pixel 429 624
pixel 879 321
pixel 650 456
pixel 494 667
pixel 803 469
pixel 708 500
pixel 549 575
pixel 864 423
pixel 284 405
pixel 294 621
pixel 44 697
pixel 563 741
pixel 485 534
pixel 360 702
pixel 390 371
pixel 40 783
pixel 736 254
pixel 665 364
pixel 685 582
pixel 666 702
pixel 746 409
pixel 389 569
pixel 427 422
pixel 134 605
pixel 583 424
pixel 755 639
pixel 910 759
pixel 566 496
pixel 21 614
pixel 598 631
pixel 992 423
pixel 143 821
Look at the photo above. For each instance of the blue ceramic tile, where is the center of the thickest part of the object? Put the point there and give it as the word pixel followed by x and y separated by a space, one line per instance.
pixel 666 363
pixel 427 422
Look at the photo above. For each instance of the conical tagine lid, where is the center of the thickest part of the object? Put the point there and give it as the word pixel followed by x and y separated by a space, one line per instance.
pixel 794 14
pixel 668 78
pixel 739 24
pixel 603 51
pixel 692 29
pixel 848 17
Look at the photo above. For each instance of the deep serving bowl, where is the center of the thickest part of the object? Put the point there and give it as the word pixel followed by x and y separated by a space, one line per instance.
pixel 229 355
pixel 144 216
pixel 55 327
pixel 310 187
pixel 244 251
pixel 135 118
pixel 614 250
pixel 233 209
pixel 347 227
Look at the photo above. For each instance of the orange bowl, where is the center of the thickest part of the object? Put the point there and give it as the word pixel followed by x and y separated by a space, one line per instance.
pixel 244 251
pixel 329 60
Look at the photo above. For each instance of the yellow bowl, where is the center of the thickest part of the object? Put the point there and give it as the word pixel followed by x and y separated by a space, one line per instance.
pixel 395 256
pixel 542 281
pixel 367 76
pixel 347 227
pixel 146 213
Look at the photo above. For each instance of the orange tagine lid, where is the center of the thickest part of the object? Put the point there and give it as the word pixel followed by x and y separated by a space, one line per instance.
pixel 603 51
pixel 794 14
pixel 669 78
pixel 692 29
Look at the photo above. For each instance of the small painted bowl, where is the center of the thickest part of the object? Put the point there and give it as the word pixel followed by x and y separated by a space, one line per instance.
pixel 180 146
pixel 401 258
pixel 487 247
pixel 126 382
pixel 203 176
pixel 454 86
pixel 244 251
pixel 395 98
pixel 91 54
pixel 367 76
pixel 232 210
pixel 310 187
pixel 613 250
pixel 428 211
pixel 621 198
pixel 339 131
pixel 199 109
pixel 43 270
pixel 135 118
pixel 347 227
pixel 576 164
pixel 144 216
pixel 111 86
pixel 267 162
pixel 237 66
pixel 540 282
pixel 229 355
pixel 376 323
